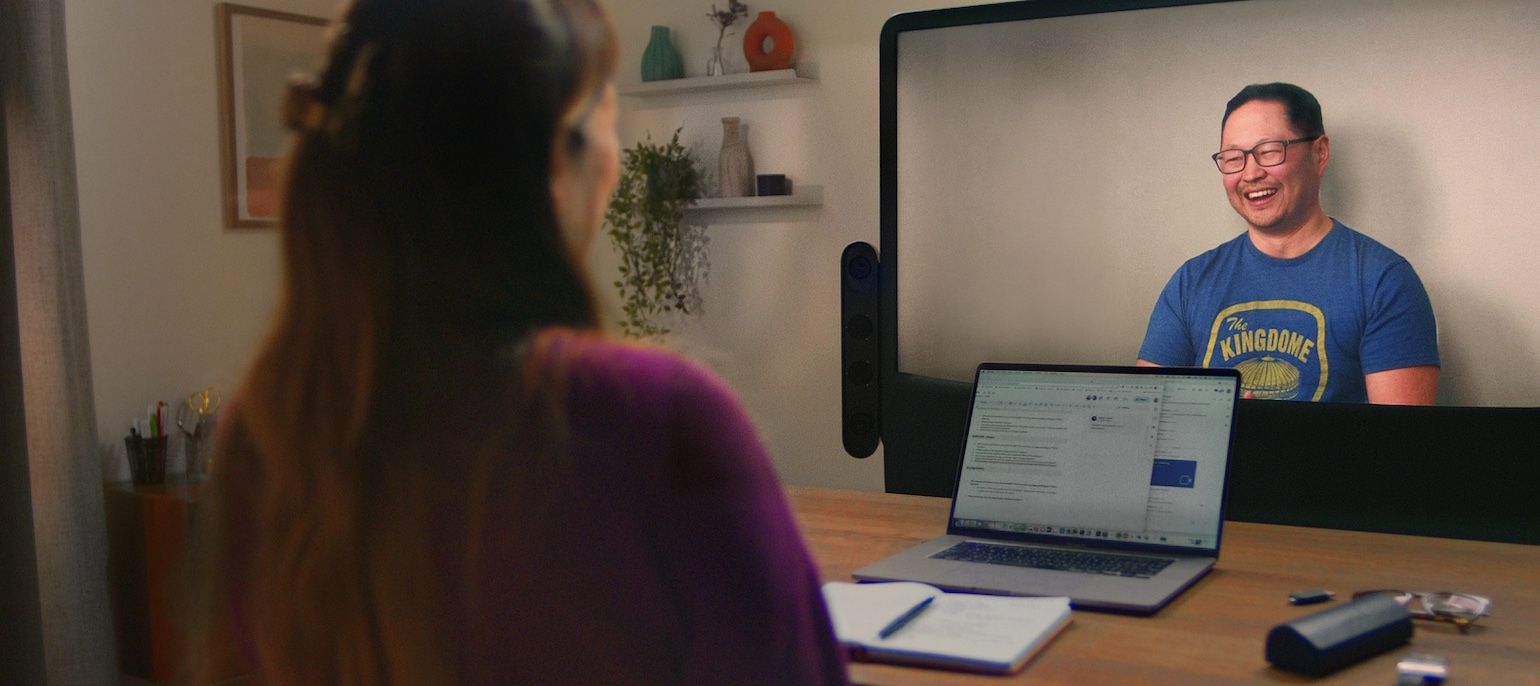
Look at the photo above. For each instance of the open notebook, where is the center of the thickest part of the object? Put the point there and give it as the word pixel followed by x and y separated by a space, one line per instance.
pixel 912 623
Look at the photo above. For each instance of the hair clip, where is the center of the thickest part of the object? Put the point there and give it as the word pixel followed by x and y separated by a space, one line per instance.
pixel 302 108
pixel 305 110
pixel 360 72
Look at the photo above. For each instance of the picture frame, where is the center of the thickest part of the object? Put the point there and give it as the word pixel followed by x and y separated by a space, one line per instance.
pixel 259 50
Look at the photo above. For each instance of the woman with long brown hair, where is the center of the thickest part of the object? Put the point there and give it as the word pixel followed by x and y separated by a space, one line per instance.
pixel 438 470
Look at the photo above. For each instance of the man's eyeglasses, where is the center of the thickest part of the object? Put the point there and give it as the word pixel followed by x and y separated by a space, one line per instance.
pixel 1267 154
pixel 1459 609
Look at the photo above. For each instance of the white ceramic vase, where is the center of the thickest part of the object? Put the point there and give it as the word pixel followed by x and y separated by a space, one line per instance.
pixel 735 167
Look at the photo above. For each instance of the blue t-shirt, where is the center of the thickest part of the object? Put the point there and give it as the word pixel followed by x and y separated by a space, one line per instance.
pixel 1306 328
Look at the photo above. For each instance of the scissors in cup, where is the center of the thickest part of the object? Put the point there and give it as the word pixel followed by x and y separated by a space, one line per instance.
pixel 193 415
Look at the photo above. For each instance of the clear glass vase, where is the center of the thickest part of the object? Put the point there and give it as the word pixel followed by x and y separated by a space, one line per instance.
pixel 715 67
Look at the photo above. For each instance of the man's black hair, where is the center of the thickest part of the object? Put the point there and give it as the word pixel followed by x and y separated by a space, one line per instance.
pixel 1303 109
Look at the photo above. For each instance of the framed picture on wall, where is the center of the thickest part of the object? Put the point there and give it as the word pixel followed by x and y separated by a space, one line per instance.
pixel 259 50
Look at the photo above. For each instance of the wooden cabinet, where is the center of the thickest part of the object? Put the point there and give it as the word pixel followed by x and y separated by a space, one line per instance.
pixel 149 540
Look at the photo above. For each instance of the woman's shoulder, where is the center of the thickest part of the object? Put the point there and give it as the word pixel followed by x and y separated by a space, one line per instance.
pixel 596 354
pixel 596 361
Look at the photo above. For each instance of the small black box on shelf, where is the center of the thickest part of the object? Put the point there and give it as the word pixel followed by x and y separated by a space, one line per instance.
pixel 772 184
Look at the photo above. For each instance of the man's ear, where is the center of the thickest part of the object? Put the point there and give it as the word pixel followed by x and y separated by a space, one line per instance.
pixel 1322 153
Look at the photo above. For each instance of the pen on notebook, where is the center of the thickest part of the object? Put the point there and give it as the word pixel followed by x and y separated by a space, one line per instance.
pixel 904 619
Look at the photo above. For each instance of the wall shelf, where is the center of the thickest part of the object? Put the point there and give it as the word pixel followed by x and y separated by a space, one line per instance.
pixel 734 210
pixel 802 196
pixel 697 84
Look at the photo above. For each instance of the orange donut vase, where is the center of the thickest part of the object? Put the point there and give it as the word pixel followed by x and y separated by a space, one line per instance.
pixel 767 26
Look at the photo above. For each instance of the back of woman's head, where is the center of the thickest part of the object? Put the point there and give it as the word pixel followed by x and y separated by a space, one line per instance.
pixel 417 215
pixel 421 170
pixel 417 221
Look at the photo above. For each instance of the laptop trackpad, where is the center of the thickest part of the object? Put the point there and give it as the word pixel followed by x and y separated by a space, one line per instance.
pixel 1004 579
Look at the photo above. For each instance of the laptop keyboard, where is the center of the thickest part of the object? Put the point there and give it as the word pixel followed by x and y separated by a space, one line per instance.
pixel 1052 558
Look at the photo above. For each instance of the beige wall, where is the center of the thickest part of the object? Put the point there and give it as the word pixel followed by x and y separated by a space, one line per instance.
pixel 175 300
pixel 771 323
pixel 1414 166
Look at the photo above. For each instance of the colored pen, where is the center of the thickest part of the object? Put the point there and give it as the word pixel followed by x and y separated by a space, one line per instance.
pixel 904 619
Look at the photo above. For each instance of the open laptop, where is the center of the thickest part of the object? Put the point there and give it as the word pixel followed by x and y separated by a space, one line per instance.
pixel 1103 484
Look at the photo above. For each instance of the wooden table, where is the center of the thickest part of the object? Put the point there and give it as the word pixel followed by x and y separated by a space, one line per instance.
pixel 1214 632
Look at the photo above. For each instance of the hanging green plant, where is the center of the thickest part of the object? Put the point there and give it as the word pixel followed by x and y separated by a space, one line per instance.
pixel 662 259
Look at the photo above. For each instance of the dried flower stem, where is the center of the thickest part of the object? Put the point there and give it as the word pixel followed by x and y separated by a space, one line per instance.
pixel 724 19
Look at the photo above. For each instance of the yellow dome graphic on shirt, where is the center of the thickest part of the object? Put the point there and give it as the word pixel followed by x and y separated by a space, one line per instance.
pixel 1279 354
pixel 1269 378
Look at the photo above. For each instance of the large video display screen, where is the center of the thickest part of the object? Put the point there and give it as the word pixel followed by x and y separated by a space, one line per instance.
pixel 1050 168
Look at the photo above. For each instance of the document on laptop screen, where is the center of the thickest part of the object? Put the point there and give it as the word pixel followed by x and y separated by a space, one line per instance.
pixel 1187 484
pixel 1114 457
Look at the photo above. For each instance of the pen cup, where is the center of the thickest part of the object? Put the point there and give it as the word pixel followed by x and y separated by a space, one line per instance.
pixel 197 447
pixel 146 459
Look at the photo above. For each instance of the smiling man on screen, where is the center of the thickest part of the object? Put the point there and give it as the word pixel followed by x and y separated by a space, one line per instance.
pixel 1304 307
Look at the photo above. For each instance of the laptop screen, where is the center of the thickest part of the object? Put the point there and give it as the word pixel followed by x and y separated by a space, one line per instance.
pixel 1121 455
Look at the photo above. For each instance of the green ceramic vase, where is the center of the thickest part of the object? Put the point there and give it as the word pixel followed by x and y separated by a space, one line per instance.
pixel 660 60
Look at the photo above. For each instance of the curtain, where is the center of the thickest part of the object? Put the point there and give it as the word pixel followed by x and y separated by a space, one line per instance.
pixel 53 547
